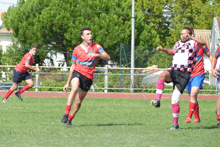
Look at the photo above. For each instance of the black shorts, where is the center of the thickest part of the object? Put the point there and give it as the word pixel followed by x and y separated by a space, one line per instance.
pixel 19 76
pixel 179 79
pixel 85 83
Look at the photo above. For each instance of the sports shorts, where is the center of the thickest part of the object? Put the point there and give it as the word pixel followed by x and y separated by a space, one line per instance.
pixel 179 79
pixel 18 76
pixel 85 83
pixel 218 79
pixel 195 81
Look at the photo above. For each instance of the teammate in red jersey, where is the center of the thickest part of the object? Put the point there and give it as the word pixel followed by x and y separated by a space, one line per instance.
pixel 216 73
pixel 21 73
pixel 84 60
pixel 195 83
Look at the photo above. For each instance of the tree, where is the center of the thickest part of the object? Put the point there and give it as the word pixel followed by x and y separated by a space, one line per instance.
pixel 178 14
pixel 161 59
pixel 56 24
pixel 1 52
pixel 196 13
pixel 15 53
pixel 155 16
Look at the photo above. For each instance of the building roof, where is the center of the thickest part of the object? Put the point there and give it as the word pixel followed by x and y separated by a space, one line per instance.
pixel 1 12
pixel 203 34
pixel 4 30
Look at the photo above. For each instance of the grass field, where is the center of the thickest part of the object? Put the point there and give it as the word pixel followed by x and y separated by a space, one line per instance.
pixel 104 122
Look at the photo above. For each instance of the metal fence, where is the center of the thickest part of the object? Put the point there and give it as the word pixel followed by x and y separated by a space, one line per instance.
pixel 106 79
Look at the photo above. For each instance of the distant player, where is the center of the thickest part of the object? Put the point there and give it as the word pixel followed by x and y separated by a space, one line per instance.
pixel 184 59
pixel 216 73
pixel 21 73
pixel 195 83
pixel 84 60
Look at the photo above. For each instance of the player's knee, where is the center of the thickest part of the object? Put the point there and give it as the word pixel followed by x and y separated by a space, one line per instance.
pixel 73 89
pixel 31 84
pixel 162 76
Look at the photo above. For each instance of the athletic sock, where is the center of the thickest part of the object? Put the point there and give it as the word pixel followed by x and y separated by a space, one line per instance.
pixel 176 110
pixel 68 108
pixel 218 117
pixel 191 109
pixel 24 89
pixel 160 88
pixel 70 117
pixel 8 94
pixel 196 112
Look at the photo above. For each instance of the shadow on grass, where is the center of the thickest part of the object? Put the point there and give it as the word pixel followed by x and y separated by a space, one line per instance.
pixel 205 127
pixel 103 125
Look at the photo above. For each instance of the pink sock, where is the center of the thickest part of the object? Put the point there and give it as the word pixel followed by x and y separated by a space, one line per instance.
pixel 160 88
pixel 176 110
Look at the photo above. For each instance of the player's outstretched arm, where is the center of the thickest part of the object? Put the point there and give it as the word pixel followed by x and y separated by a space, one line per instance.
pixel 27 65
pixel 167 51
pixel 199 41
pixel 65 88
pixel 209 54
pixel 104 56
pixel 213 67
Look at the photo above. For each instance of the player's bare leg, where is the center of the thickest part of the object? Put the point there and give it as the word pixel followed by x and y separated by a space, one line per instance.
pixel 164 76
pixel 10 91
pixel 175 108
pixel 79 98
pixel 71 97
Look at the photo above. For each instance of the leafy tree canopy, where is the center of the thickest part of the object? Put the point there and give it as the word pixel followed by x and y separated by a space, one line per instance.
pixel 56 24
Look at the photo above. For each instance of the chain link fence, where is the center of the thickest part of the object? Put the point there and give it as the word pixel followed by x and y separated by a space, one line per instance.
pixel 106 79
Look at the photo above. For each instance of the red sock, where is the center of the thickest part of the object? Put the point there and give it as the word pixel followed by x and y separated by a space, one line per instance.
pixel 24 89
pixel 218 116
pixel 160 88
pixel 68 108
pixel 176 110
pixel 70 117
pixel 196 112
pixel 8 94
pixel 191 109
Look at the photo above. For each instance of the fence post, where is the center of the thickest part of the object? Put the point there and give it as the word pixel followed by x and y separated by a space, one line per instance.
pixel 106 78
pixel 36 79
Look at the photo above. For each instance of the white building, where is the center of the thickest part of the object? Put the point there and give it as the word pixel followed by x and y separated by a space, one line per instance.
pixel 5 35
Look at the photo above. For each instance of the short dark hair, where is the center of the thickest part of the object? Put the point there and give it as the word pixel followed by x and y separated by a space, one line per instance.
pixel 33 46
pixel 83 29
pixel 190 29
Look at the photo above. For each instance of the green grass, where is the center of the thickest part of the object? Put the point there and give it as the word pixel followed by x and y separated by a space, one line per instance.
pixel 104 122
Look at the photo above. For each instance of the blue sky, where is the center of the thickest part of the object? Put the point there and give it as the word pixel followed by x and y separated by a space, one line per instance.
pixel 4 6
